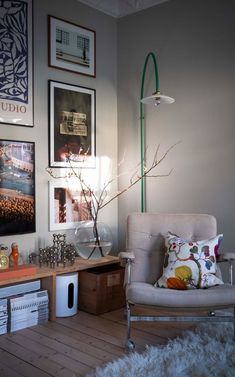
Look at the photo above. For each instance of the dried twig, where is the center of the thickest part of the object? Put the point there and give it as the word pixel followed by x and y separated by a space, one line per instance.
pixel 95 202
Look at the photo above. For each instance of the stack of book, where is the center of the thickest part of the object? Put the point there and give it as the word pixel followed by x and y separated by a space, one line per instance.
pixel 27 310
pixel 3 316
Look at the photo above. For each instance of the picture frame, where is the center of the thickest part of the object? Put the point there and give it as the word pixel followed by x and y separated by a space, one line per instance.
pixel 67 206
pixel 71 47
pixel 17 187
pixel 16 75
pixel 71 125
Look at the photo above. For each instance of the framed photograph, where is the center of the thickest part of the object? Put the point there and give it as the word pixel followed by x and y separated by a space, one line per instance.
pixel 16 55
pixel 71 47
pixel 67 206
pixel 17 187
pixel 72 126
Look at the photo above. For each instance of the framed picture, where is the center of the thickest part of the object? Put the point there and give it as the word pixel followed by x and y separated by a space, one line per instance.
pixel 72 125
pixel 17 187
pixel 16 55
pixel 71 47
pixel 67 206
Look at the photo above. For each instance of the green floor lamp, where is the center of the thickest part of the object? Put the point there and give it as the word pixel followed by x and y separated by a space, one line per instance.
pixel 156 98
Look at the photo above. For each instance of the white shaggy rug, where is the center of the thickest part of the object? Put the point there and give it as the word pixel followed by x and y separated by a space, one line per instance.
pixel 208 351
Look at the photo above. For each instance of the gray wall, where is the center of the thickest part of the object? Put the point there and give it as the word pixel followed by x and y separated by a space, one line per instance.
pixel 194 42
pixel 106 108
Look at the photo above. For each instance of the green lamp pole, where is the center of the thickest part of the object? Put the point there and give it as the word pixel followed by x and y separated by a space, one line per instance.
pixel 156 98
pixel 142 126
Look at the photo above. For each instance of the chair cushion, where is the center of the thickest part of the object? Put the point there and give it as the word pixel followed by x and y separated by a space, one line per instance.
pixel 212 298
pixel 189 264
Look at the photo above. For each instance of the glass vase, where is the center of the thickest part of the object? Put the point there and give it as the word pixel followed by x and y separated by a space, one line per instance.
pixel 93 239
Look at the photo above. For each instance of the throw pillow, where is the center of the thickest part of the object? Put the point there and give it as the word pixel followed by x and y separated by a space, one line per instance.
pixel 189 264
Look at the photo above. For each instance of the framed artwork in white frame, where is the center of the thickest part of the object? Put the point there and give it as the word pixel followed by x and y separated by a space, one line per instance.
pixel 71 126
pixel 71 47
pixel 16 55
pixel 67 206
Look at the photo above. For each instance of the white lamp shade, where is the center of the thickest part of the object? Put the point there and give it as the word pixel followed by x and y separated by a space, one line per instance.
pixel 157 99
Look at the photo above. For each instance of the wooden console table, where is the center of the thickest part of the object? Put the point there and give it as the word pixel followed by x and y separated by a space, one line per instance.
pixel 48 277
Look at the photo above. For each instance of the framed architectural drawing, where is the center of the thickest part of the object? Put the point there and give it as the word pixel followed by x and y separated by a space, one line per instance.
pixel 71 47
pixel 67 206
pixel 72 125
pixel 16 56
pixel 17 187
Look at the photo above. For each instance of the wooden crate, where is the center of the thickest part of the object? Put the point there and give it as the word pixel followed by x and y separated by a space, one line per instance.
pixel 101 289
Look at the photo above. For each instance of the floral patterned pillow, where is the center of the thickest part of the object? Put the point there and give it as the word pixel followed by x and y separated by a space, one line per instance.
pixel 189 264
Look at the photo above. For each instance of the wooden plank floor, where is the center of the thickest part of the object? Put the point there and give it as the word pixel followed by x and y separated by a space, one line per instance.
pixel 74 346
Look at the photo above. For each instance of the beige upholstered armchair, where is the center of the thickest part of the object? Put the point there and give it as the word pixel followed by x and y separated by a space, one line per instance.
pixel 144 258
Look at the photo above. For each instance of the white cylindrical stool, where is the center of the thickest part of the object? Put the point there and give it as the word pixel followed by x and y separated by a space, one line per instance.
pixel 66 295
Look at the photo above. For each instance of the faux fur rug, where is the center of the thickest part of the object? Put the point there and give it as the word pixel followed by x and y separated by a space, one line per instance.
pixel 208 351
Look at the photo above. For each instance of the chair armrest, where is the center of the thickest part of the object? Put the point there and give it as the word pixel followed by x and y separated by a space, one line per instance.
pixel 127 255
pixel 127 258
pixel 227 256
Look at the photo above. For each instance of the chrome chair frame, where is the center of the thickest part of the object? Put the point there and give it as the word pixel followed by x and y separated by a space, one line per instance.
pixel 211 317
pixel 143 233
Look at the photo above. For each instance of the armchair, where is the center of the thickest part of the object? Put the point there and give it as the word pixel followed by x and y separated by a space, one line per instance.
pixel 144 259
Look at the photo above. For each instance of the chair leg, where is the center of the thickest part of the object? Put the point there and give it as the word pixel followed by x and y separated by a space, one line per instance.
pixel 130 345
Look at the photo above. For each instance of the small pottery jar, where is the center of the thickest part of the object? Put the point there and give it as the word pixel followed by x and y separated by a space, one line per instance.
pixel 14 257
pixel 4 260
